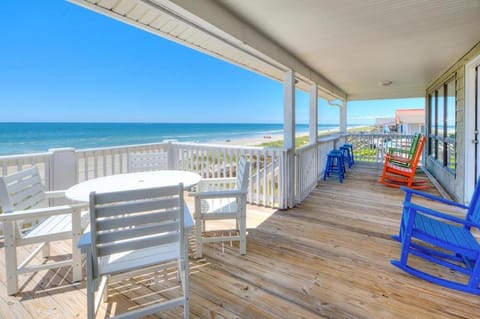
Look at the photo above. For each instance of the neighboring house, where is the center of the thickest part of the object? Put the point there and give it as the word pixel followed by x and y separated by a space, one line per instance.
pixel 385 124
pixel 410 121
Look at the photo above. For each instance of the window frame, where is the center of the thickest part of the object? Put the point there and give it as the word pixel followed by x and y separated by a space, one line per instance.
pixel 438 147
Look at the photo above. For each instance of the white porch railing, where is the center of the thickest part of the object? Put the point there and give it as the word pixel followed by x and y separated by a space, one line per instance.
pixel 367 148
pixel 62 168
pixel 372 147
pixel 14 163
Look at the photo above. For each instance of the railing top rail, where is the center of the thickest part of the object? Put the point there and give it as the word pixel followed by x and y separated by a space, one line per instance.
pixel 24 156
pixel 208 145
pixel 329 138
pixel 381 134
pixel 305 148
pixel 121 147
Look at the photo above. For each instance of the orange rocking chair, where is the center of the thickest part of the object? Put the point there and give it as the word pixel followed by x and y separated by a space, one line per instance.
pixel 399 172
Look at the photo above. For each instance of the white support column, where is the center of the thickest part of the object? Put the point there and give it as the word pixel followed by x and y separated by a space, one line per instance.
pixel 343 117
pixel 289 136
pixel 313 127
pixel 313 131
pixel 289 110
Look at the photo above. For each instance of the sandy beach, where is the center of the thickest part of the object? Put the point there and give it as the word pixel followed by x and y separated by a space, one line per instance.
pixel 251 141
pixel 254 141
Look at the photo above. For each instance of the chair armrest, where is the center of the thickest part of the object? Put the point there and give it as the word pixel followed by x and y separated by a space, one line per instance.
pixel 391 157
pixel 432 197
pixel 218 194
pixel 85 242
pixel 218 180
pixel 55 194
pixel 431 212
pixel 41 212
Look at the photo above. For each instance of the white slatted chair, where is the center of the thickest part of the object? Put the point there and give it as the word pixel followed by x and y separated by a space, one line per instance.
pixel 131 233
pixel 144 162
pixel 222 199
pixel 24 202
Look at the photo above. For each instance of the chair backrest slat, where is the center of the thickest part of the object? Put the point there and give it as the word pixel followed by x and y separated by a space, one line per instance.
pixel 129 207
pixel 418 153
pixel 243 174
pixel 136 243
pixel 413 146
pixel 22 190
pixel 139 194
pixel 136 219
pixel 143 162
pixel 107 237
pixel 132 220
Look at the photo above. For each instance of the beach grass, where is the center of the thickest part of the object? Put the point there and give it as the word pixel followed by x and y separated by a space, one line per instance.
pixel 304 139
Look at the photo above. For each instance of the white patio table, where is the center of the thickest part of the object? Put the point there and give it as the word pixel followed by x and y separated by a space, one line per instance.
pixel 132 181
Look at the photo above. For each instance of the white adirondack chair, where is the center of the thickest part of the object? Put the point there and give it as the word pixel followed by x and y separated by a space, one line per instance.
pixel 133 232
pixel 144 162
pixel 222 199
pixel 24 202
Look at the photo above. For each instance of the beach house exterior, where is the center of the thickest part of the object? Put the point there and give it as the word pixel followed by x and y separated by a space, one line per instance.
pixel 330 256
pixel 452 119
pixel 402 49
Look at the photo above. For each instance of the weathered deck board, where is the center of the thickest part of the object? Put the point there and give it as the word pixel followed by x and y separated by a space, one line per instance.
pixel 327 258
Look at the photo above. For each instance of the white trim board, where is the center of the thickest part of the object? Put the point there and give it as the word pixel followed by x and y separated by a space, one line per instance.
pixel 469 127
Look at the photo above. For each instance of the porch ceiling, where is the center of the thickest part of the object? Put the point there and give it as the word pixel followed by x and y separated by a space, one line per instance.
pixel 347 47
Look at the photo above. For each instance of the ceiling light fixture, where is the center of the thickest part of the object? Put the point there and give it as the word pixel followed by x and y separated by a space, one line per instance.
pixel 385 83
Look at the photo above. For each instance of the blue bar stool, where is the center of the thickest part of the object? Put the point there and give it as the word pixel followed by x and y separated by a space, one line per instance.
pixel 347 155
pixel 350 146
pixel 335 164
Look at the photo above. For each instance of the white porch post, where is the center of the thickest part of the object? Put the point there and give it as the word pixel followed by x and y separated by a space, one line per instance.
pixel 343 117
pixel 289 136
pixel 313 132
pixel 313 121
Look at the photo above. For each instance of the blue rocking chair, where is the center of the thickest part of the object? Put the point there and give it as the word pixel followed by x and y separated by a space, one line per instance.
pixel 442 239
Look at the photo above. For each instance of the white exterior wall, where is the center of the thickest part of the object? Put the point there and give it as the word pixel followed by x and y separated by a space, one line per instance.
pixel 454 183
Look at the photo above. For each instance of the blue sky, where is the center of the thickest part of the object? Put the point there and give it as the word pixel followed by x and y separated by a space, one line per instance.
pixel 60 62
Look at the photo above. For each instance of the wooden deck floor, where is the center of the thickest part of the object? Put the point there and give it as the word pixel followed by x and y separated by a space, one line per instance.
pixel 327 258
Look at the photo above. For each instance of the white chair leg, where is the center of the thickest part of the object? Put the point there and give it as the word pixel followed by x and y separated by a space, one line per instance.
pixel 76 254
pixel 46 250
pixel 90 303
pixel 10 259
pixel 105 289
pixel 243 233
pixel 198 237
pixel 185 283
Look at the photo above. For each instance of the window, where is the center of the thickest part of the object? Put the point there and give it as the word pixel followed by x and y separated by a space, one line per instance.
pixel 442 130
pixel 433 128
pixel 450 126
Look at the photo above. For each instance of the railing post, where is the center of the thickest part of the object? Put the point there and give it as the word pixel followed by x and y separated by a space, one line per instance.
pixel 63 173
pixel 172 156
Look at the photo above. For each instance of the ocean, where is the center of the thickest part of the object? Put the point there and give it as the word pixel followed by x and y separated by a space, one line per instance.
pixel 22 138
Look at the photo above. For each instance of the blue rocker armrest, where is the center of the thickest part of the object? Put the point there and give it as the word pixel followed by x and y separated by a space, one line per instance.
pixel 432 197
pixel 437 214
